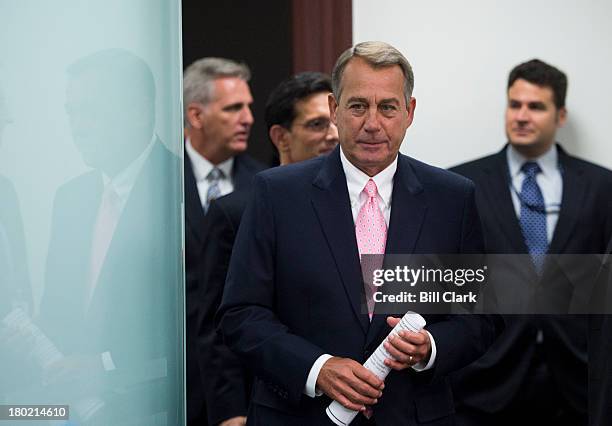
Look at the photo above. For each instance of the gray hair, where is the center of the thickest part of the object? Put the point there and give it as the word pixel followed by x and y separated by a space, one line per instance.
pixel 199 77
pixel 378 54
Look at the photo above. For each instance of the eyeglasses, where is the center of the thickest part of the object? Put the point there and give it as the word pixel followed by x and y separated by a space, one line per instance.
pixel 316 125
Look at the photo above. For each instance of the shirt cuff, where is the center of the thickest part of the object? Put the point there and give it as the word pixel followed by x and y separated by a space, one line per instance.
pixel 311 382
pixel 107 361
pixel 420 366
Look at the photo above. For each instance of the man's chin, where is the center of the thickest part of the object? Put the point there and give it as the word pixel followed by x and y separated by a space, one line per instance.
pixel 522 140
pixel 238 146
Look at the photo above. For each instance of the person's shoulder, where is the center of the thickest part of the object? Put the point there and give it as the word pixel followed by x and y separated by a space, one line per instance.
pixel 301 172
pixel 474 167
pixel 436 177
pixel 249 163
pixel 78 191
pixel 230 206
pixel 162 156
pixel 82 182
pixel 586 167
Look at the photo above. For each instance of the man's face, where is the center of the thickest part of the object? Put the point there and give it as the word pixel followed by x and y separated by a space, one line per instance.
pixel 371 115
pixel 532 118
pixel 312 133
pixel 227 119
pixel 108 137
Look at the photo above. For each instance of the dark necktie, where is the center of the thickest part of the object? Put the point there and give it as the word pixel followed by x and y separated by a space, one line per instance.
pixel 533 215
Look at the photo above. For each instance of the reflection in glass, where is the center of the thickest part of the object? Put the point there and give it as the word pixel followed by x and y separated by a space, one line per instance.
pixel 106 340
pixel 15 292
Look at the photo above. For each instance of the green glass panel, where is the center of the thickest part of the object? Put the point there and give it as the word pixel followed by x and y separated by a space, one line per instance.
pixel 91 265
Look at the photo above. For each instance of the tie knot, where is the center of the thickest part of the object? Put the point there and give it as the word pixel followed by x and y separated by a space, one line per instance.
pixel 370 189
pixel 531 169
pixel 214 175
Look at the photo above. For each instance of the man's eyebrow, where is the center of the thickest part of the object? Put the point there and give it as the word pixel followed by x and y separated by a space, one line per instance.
pixel 357 99
pixel 389 101
pixel 234 105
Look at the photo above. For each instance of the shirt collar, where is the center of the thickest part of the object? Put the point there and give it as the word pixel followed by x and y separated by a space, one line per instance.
pixel 356 180
pixel 548 161
pixel 124 181
pixel 202 167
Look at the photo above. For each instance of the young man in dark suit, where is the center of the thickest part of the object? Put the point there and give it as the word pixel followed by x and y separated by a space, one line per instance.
pixel 600 346
pixel 535 199
pixel 291 309
pixel 299 126
pixel 217 109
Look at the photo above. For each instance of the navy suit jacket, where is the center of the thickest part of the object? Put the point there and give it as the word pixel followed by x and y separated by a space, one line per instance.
pixel 294 289
pixel 600 348
pixel 227 382
pixel 195 234
pixel 584 226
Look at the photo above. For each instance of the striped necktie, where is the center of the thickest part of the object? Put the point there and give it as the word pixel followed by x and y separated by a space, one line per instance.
pixel 214 191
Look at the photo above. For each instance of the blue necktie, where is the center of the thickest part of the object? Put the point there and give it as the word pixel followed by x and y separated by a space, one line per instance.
pixel 533 215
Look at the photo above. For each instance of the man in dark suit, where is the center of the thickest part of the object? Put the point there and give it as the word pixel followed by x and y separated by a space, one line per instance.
pixel 535 199
pixel 297 117
pixel 217 108
pixel 291 309
pixel 600 347
pixel 110 304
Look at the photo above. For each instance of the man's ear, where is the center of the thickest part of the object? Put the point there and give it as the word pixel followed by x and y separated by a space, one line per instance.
pixel 333 106
pixel 561 117
pixel 195 115
pixel 279 137
pixel 410 110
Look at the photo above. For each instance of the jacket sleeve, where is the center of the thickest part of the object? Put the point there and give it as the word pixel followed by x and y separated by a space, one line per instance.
pixel 247 317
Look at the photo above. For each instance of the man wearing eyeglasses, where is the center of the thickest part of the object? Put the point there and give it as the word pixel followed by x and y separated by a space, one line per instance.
pixel 297 116
pixel 535 199
pixel 218 120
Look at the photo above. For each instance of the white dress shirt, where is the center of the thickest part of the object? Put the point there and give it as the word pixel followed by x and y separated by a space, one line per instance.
pixel 549 180
pixel 202 167
pixel 355 182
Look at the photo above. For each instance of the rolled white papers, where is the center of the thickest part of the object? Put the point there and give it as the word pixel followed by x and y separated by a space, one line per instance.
pixel 411 321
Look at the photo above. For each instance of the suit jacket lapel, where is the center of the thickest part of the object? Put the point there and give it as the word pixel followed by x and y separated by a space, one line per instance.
pixel 194 213
pixel 574 189
pixel 332 206
pixel 497 191
pixel 408 208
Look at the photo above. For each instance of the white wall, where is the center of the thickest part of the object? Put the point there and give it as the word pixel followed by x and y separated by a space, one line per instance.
pixel 462 52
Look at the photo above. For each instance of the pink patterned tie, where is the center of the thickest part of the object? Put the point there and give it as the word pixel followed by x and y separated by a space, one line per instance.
pixel 371 232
